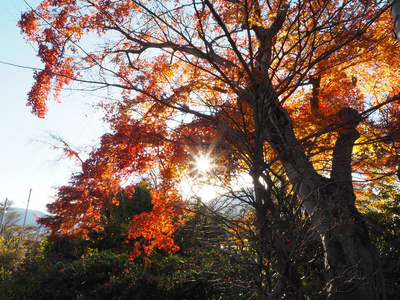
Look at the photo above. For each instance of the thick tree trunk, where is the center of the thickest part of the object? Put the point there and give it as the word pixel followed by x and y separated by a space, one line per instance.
pixel 352 264
pixel 351 261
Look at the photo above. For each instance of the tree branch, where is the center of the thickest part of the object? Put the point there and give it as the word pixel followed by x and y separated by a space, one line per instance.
pixel 144 45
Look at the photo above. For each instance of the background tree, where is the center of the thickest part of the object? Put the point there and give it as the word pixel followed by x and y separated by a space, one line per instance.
pixel 10 228
pixel 116 219
pixel 12 253
pixel 12 225
pixel 271 88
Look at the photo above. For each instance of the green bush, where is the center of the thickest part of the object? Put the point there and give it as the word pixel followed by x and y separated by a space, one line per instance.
pixel 106 275
pixel 11 255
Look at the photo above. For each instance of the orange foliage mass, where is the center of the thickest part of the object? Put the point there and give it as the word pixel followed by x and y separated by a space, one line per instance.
pixel 186 71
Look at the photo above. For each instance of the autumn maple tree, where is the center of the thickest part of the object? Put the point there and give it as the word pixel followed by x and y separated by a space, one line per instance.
pixel 303 91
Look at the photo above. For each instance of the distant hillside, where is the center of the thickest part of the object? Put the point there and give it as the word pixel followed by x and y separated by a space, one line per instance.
pixel 31 216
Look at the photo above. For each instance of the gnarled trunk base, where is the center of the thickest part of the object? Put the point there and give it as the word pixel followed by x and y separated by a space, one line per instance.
pixel 352 264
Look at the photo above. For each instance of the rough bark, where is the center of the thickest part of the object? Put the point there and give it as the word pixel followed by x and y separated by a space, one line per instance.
pixel 351 262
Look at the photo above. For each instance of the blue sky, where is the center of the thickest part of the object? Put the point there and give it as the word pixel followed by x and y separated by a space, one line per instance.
pixel 25 162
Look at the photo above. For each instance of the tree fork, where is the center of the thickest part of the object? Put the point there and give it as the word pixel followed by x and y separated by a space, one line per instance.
pixel 352 264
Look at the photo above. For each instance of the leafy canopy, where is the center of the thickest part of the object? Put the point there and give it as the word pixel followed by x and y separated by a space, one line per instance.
pixel 186 73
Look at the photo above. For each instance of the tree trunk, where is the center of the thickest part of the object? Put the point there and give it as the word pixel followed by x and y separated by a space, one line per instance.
pixel 396 17
pixel 352 264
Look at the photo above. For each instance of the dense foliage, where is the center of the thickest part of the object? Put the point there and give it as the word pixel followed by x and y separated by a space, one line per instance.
pixel 100 266
pixel 210 263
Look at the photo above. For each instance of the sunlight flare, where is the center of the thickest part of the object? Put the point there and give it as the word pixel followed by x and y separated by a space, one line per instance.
pixel 203 164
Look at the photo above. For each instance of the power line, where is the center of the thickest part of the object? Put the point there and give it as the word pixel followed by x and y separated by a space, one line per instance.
pixel 20 66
